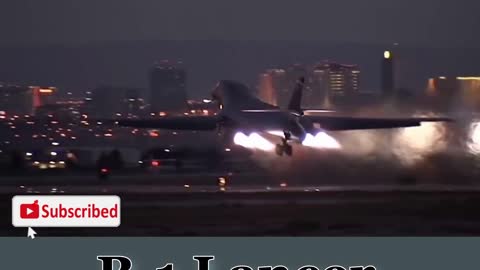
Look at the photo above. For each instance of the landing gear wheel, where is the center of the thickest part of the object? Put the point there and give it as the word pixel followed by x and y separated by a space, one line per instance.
pixel 288 150
pixel 279 149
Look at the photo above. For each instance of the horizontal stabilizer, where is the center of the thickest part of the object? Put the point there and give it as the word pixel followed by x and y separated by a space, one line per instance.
pixel 266 111
pixel 318 111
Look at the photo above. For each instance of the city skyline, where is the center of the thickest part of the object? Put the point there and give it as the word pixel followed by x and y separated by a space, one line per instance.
pixel 78 69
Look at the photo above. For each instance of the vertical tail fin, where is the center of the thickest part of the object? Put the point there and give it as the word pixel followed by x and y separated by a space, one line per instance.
pixel 295 103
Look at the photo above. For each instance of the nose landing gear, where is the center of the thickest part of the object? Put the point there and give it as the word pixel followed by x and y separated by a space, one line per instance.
pixel 284 147
pixel 279 149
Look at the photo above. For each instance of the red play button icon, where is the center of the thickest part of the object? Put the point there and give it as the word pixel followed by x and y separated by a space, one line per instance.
pixel 29 210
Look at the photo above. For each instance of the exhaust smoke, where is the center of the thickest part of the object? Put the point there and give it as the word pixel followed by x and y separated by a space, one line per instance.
pixel 473 142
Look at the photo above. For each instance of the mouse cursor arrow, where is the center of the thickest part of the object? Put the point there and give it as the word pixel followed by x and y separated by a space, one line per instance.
pixel 31 233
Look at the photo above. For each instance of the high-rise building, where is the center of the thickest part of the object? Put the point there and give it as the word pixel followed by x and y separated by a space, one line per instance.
pixel 271 82
pixel 168 87
pixel 325 83
pixel 462 91
pixel 470 91
pixel 319 88
pixel 43 95
pixel 276 85
pixel 388 74
pixel 107 102
pixel 22 100
pixel 16 100
pixel 333 81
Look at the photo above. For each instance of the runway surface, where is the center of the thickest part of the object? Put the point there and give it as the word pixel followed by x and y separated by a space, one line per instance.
pixel 149 210
pixel 273 208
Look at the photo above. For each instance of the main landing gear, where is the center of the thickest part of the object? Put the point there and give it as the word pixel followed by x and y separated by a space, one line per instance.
pixel 284 147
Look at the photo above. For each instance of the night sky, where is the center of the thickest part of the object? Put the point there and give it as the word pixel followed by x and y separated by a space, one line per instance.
pixel 425 22
pixel 34 23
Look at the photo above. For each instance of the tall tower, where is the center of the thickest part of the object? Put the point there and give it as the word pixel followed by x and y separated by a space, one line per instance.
pixel 335 82
pixel 168 87
pixel 388 74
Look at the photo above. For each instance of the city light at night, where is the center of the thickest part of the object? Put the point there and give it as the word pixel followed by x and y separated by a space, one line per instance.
pixel 387 54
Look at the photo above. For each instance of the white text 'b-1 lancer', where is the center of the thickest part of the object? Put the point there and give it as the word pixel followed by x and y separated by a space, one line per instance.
pixel 244 116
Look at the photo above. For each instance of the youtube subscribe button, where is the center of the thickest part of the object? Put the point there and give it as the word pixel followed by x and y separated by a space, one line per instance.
pixel 65 211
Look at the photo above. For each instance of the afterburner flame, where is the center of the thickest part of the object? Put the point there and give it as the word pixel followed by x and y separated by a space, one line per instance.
pixel 260 142
pixel 321 140
pixel 253 141
pixel 474 139
pixel 242 140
